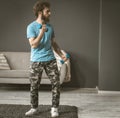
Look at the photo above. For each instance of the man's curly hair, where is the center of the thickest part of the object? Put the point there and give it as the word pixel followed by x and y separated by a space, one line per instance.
pixel 39 6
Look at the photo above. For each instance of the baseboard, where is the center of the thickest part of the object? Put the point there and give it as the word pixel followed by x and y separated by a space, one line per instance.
pixel 81 90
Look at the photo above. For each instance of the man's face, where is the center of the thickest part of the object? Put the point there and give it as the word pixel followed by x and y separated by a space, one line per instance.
pixel 46 14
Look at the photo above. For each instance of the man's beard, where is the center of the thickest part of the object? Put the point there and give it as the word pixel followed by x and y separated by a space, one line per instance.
pixel 45 19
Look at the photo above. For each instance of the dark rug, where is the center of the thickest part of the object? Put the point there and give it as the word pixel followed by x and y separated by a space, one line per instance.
pixel 18 111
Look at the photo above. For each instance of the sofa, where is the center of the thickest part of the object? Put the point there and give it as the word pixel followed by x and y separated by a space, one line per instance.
pixel 15 69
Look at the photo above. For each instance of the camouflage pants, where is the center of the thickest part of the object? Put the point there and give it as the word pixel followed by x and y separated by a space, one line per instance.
pixel 51 70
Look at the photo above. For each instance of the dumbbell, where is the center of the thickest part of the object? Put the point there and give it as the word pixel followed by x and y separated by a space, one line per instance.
pixel 67 56
pixel 39 26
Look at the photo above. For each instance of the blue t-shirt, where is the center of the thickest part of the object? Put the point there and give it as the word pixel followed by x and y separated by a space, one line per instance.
pixel 44 50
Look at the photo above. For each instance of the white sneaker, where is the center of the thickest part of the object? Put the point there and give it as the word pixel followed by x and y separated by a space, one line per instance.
pixel 31 112
pixel 54 112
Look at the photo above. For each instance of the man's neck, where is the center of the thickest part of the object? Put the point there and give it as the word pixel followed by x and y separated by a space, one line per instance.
pixel 40 21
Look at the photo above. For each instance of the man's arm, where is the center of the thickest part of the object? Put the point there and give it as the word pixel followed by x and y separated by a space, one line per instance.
pixel 34 42
pixel 57 49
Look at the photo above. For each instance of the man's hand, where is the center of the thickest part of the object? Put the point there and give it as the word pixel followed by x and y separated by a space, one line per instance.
pixel 44 28
pixel 64 58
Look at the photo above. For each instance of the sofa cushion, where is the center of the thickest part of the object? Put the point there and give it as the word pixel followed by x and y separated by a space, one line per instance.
pixel 3 63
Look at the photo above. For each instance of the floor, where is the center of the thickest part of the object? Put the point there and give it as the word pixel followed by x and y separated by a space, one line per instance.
pixel 90 103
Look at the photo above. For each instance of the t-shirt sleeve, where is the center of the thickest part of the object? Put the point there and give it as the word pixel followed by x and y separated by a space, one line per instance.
pixel 30 32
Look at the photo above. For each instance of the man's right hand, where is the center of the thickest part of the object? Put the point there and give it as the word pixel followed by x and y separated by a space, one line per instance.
pixel 44 28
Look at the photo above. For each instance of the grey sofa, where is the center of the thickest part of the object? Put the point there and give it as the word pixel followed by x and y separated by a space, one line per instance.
pixel 18 73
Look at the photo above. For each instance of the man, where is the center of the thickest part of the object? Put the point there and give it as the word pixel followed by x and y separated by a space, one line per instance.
pixel 41 38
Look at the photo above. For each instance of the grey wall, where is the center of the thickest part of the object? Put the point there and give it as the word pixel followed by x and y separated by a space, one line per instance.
pixel 14 17
pixel 77 26
pixel 91 38
pixel 109 75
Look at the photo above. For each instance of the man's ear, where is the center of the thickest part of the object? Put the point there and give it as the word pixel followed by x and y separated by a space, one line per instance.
pixel 40 13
